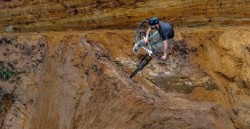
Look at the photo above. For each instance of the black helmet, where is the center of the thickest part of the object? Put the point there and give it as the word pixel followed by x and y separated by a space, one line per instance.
pixel 153 21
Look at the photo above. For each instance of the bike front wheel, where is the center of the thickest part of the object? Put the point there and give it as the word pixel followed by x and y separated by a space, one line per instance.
pixel 143 63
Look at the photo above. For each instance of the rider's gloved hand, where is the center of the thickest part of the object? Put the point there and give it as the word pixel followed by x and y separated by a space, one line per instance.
pixel 164 57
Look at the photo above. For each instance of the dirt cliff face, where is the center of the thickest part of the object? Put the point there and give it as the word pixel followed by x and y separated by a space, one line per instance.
pixel 45 15
pixel 225 54
pixel 76 84
pixel 74 81
pixel 79 79
pixel 221 53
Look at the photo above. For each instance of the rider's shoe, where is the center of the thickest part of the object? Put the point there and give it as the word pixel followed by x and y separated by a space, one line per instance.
pixel 135 49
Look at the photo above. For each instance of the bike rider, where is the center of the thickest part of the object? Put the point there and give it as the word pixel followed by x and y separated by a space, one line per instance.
pixel 161 39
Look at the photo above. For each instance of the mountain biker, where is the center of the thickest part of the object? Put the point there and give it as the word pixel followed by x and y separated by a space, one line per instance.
pixel 161 39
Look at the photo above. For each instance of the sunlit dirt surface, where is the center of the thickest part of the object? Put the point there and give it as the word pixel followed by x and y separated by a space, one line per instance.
pixel 80 79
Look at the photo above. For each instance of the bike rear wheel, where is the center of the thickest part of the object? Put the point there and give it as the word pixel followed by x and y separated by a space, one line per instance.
pixel 142 30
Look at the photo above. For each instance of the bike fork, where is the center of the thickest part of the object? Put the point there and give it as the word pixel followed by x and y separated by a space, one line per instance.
pixel 142 59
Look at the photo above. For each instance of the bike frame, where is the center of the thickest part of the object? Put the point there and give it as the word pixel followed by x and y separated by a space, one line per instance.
pixel 148 48
pixel 150 52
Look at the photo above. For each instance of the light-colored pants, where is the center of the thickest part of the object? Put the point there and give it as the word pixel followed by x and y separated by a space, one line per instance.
pixel 156 42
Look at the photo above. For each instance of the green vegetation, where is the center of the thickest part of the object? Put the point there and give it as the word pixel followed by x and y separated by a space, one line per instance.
pixel 13 98
pixel 5 73
pixel 1 106
pixel 17 74
pixel 94 68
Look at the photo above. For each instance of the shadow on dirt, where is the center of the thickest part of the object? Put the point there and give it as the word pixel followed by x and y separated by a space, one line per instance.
pixel 182 76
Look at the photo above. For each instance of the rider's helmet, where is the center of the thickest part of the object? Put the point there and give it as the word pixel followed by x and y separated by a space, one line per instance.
pixel 153 21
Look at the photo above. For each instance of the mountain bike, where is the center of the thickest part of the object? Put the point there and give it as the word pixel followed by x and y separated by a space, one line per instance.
pixel 141 34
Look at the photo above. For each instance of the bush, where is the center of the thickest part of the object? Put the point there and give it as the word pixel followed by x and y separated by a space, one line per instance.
pixel 5 73
pixel 94 68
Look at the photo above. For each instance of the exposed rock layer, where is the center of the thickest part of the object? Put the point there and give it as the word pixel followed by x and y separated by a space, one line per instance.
pixel 68 14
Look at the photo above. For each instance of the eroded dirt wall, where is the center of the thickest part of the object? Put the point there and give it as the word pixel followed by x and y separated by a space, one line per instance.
pixel 17 15
pixel 224 54
pixel 72 82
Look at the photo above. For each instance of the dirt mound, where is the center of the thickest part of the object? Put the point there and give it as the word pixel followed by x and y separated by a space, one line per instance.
pixel 215 61
pixel 78 85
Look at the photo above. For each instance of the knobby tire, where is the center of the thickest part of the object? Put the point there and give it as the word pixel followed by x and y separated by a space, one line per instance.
pixel 143 63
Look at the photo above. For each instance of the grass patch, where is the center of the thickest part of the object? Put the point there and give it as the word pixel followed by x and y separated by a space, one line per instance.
pixel 9 74
pixel 1 107
pixel 16 72
pixel 5 73
pixel 13 98
pixel 94 68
